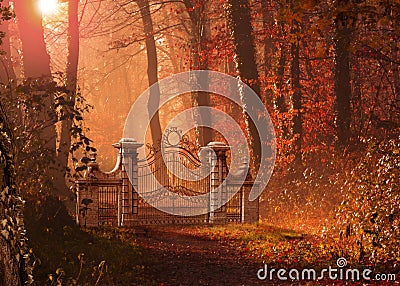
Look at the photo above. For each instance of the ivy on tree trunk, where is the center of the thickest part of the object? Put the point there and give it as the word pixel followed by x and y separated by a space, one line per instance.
pixel 71 83
pixel 238 12
pixel 36 63
pixel 200 28
pixel 14 260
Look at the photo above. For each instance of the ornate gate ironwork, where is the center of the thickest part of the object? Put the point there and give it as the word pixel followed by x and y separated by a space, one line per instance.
pixel 108 204
pixel 112 198
pixel 177 156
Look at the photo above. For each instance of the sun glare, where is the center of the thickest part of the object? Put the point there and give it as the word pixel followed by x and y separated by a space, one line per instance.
pixel 48 7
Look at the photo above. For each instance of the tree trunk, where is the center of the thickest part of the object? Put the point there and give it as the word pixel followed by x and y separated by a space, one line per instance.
pixel 240 23
pixel 36 63
pixel 9 274
pixel 199 49
pixel 152 73
pixel 154 99
pixel 268 50
pixel 268 22
pixel 297 96
pixel 342 88
pixel 7 74
pixel 396 79
pixel 11 270
pixel 280 102
pixel 395 68
pixel 71 83
pixel 36 60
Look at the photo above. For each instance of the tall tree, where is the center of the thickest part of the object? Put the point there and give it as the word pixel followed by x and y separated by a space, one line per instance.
pixel 36 60
pixel 268 51
pixel 268 43
pixel 36 67
pixel 7 73
pixel 71 83
pixel 394 12
pixel 296 88
pixel 280 101
pixel 200 36
pixel 12 268
pixel 344 23
pixel 239 20
pixel 152 71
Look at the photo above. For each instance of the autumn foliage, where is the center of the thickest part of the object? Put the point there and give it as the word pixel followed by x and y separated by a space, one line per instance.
pixel 327 71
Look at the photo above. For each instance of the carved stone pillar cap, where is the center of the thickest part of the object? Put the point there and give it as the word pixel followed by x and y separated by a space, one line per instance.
pixel 127 143
pixel 218 146
pixel 127 140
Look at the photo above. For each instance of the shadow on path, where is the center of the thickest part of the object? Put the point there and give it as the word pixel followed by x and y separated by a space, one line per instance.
pixel 182 258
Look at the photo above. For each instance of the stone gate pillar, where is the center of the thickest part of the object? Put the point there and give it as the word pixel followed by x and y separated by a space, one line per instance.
pixel 218 190
pixel 128 201
pixel 250 209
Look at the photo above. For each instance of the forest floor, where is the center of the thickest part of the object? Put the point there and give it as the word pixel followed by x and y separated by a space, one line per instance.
pixel 232 254
pixel 181 257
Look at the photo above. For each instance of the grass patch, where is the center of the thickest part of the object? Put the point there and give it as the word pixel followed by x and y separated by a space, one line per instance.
pixel 282 248
pixel 273 246
pixel 64 254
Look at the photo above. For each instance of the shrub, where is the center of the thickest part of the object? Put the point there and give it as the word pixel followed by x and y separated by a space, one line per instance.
pixel 368 220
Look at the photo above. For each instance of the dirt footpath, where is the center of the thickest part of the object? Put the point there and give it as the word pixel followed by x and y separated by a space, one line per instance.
pixel 182 258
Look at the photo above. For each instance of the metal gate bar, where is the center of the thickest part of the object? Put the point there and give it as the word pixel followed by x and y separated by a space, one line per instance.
pixel 108 204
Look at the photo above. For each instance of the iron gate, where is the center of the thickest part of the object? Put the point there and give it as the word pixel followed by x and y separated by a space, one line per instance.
pixel 178 159
pixel 115 199
pixel 108 204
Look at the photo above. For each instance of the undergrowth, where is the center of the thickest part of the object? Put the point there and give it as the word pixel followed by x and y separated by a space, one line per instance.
pixel 273 246
pixel 64 254
pixel 346 204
